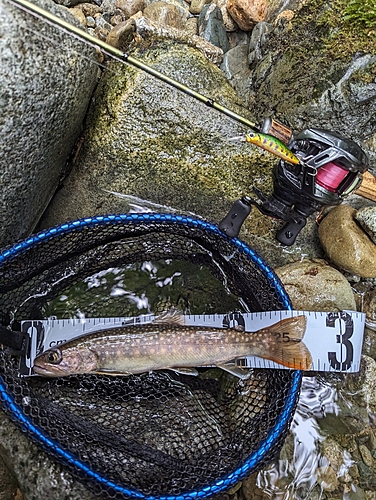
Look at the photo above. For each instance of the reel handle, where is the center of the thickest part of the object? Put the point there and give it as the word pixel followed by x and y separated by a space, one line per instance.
pixel 233 221
pixel 287 235
pixel 278 130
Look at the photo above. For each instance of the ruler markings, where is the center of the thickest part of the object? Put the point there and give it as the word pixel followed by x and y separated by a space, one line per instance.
pixel 328 345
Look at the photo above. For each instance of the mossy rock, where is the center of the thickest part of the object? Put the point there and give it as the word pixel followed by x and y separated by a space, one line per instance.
pixel 319 70
pixel 144 140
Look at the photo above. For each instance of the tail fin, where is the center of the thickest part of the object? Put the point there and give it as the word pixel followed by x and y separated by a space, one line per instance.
pixel 287 347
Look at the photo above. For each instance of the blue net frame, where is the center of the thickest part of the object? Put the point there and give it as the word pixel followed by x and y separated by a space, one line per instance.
pixel 251 463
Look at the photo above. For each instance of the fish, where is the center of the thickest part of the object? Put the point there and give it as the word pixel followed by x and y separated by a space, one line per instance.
pixel 273 145
pixel 168 344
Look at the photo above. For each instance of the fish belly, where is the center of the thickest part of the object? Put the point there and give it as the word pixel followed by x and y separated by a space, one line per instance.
pixel 137 359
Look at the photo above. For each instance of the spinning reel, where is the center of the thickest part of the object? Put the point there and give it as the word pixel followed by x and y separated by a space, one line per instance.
pixel 330 168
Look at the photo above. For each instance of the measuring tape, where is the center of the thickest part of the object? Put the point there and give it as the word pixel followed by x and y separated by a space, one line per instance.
pixel 334 339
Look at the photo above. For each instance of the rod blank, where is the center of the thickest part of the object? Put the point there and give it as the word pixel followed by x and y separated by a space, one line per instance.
pixel 117 54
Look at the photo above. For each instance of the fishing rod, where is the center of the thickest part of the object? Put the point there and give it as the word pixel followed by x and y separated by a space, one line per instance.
pixel 272 136
pixel 117 54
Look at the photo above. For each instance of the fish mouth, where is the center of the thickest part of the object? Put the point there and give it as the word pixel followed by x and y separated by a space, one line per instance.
pixel 46 372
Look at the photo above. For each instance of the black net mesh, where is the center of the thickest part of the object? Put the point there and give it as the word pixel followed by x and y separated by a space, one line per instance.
pixel 157 433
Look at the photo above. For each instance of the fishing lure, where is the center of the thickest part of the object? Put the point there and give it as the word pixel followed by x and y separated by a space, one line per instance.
pixel 273 145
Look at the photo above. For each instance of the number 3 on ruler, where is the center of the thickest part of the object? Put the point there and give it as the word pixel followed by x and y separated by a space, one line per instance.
pixel 342 339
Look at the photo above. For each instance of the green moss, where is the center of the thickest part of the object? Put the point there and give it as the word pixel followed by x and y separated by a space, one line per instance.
pixel 332 30
pixel 316 51
pixel 347 26
pixel 361 13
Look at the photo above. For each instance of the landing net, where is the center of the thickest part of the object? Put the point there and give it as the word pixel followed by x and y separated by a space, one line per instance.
pixel 158 435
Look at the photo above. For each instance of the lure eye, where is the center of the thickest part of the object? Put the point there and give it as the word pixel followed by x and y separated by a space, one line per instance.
pixel 54 356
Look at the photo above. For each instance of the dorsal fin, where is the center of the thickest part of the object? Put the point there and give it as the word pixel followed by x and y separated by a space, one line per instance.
pixel 170 317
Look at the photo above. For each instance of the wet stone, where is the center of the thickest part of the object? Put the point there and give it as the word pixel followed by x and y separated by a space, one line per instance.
pixel 285 14
pixel 211 27
pixel 313 285
pixel 107 16
pixel 229 23
pixel 109 6
pixel 364 470
pixel 122 34
pixel 369 342
pixel 368 306
pixel 165 14
pixel 89 9
pixel 191 26
pixel 8 483
pixel 354 471
pixel 101 33
pixel 182 5
pixel 130 7
pixel 44 96
pixel 372 440
pixel 39 477
pixel 238 38
pixel 276 7
pixel 68 3
pixel 101 22
pixel 78 14
pixel 367 219
pixel 366 455
pixel 149 29
pixel 326 478
pixel 346 244
pixel 334 456
pixel 257 42
pixel 117 18
pixel 246 13
pixel 234 62
pixel 234 66
pixel 197 6
pixel 90 22
pixel 354 492
pixel 364 384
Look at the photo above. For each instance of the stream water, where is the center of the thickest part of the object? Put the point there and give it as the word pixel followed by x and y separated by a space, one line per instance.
pixel 324 456
pixel 142 288
pixel 314 462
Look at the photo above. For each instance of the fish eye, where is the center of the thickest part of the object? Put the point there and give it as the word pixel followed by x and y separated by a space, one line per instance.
pixel 54 356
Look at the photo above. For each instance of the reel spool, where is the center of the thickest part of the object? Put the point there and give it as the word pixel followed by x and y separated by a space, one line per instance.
pixel 330 168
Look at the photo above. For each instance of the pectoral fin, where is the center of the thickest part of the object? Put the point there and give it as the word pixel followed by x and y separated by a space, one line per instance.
pixel 185 371
pixel 235 370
